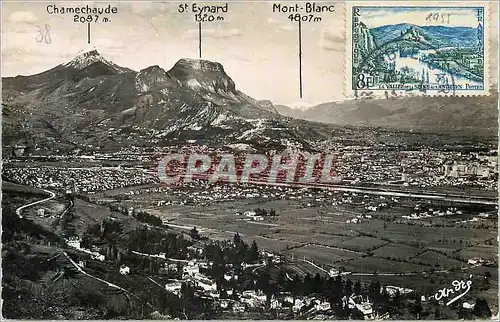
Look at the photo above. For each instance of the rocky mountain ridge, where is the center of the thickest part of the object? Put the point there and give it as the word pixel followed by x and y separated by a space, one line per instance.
pixel 92 102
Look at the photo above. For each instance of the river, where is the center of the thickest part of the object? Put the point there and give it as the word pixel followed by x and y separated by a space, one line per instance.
pixel 419 66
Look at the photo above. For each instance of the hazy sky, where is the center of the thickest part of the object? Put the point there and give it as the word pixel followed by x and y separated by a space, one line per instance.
pixel 258 48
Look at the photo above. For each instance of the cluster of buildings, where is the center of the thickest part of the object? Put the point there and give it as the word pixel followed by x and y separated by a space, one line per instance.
pixel 252 215
pixel 360 303
pixel 450 168
pixel 374 163
pixel 75 242
pixel 431 212
pixel 202 193
pixel 425 167
pixel 82 180
pixel 457 170
pixel 193 273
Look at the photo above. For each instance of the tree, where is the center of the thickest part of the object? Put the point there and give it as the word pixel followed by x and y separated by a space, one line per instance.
pixel 481 309
pixel 437 313
pixel 486 281
pixel 357 315
pixel 357 288
pixel 253 253
pixel 318 284
pixel 263 283
pixel 242 251
pixel 195 235
pixel 281 280
pixel 272 212
pixel 348 288
pixel 418 306
pixel 384 298
pixel 308 284
pixel 237 239
pixel 397 300
pixel 335 291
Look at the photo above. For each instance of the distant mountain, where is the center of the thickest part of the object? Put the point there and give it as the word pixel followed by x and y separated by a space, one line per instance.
pixel 90 102
pixel 437 36
pixel 289 111
pixel 476 115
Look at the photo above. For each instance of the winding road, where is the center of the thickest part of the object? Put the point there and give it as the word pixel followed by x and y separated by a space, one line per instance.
pixel 94 277
pixel 52 196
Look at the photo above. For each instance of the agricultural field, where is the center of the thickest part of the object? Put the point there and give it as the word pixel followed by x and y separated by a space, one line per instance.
pixel 320 239
pixel 445 247
pixel 323 255
pixel 17 188
pixel 437 260
pixel 363 243
pixel 396 251
pixel 380 265
pixel 301 268
pixel 487 252
pixel 301 231
pixel 273 245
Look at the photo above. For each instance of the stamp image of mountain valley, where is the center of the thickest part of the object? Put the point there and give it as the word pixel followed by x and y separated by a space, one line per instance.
pixel 419 56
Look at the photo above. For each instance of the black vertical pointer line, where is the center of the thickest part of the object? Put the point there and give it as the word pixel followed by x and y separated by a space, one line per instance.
pixel 88 33
pixel 199 37
pixel 300 56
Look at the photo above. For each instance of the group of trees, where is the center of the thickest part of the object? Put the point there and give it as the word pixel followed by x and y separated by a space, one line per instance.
pixel 236 253
pixel 144 217
pixel 194 233
pixel 141 215
pixel 264 212
pixel 143 239
pixel 224 254
pixel 155 241
pixel 106 232
pixel 67 223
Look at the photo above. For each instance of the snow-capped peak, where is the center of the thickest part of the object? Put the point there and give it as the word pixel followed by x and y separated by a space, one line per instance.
pixel 87 58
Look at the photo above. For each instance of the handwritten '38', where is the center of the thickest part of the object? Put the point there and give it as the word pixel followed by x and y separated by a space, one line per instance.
pixel 44 34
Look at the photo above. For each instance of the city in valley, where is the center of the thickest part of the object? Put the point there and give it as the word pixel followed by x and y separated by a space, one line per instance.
pixel 407 220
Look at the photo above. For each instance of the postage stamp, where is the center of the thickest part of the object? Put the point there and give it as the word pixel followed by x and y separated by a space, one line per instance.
pixel 427 48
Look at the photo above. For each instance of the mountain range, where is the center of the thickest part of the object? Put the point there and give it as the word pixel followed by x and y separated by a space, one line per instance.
pixel 438 36
pixel 91 103
pixel 467 114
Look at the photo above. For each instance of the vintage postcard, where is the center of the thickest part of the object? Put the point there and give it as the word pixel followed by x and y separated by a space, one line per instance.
pixel 249 160
pixel 426 47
